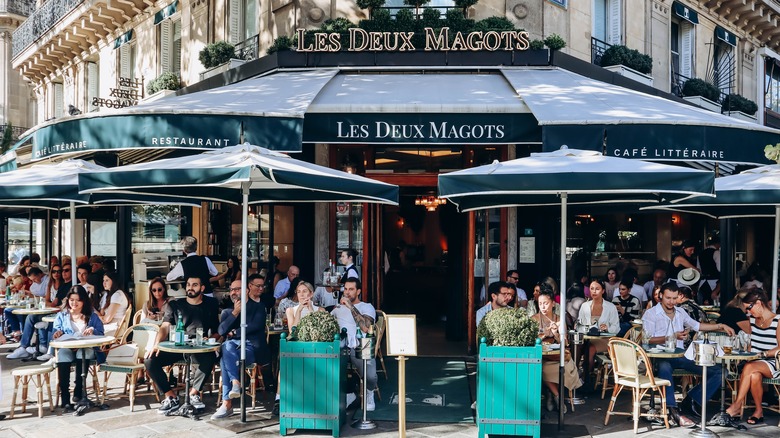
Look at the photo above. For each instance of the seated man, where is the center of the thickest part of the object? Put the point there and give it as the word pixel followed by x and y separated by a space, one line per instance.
pixel 230 327
pixel 351 314
pixel 196 311
pixel 656 322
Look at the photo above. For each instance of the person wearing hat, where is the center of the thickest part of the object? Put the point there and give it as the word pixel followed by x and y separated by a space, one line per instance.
pixel 683 260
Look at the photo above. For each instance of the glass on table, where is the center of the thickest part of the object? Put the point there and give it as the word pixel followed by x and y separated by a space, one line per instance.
pixel 728 344
pixel 199 336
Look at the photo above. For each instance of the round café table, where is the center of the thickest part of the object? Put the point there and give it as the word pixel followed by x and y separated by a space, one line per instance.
pixel 654 353
pixel 36 311
pixel 187 350
pixel 83 344
pixel 721 418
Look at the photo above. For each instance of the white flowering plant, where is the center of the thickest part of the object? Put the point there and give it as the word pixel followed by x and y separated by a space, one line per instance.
pixel 772 152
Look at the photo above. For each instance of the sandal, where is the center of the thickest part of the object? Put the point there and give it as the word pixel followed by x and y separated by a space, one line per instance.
pixel 755 420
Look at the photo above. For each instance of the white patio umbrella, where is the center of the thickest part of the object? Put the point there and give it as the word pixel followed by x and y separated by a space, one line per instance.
pixel 582 177
pixel 243 175
pixel 752 193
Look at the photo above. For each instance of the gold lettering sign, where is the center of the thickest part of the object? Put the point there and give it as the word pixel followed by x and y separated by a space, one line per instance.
pixel 360 40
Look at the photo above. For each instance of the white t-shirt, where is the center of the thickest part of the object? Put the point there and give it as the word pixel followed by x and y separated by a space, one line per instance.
pixel 346 320
pixel 120 299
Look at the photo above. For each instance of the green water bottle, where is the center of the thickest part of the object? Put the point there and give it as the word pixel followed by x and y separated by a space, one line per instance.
pixel 8 293
pixel 179 336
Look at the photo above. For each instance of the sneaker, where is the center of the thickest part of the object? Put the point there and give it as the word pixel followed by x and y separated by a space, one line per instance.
pixel 169 404
pixel 43 349
pixel 474 406
pixel 370 405
pixel 19 353
pixel 44 357
pixel 351 397
pixel 196 402
pixel 222 412
pixel 235 391
pixel 31 350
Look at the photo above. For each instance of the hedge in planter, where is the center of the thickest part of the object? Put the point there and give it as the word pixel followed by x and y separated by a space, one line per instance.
pixel 312 376
pixel 216 54
pixel 509 374
pixel 633 59
pixel 735 102
pixel 699 87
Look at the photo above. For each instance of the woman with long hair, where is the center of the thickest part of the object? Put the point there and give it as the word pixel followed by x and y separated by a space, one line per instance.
pixel 55 281
pixel 155 306
pixel 612 283
pixel 600 314
pixel 765 340
pixel 733 315
pixel 231 273
pixel 77 318
pixel 305 292
pixel 115 305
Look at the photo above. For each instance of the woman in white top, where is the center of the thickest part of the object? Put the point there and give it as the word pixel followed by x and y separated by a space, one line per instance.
pixel 612 284
pixel 305 292
pixel 116 303
pixel 601 314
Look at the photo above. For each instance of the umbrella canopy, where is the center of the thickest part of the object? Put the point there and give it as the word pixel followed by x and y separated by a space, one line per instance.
pixel 246 174
pixel 752 193
pixel 220 175
pixel 584 176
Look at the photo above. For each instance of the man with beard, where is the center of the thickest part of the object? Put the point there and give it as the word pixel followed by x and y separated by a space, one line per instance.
pixel 197 311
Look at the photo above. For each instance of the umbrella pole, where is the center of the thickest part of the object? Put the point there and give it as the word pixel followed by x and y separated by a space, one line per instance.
pixel 562 310
pixel 73 257
pixel 244 260
pixel 774 258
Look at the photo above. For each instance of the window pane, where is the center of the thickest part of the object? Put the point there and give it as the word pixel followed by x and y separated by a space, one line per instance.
pixel 102 237
pixel 156 228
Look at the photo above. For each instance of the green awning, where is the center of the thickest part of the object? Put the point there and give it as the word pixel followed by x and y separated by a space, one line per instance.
pixel 725 36
pixel 8 162
pixel 123 39
pixel 685 13
pixel 165 12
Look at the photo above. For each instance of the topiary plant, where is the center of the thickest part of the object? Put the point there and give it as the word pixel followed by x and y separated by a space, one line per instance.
pixel 465 4
pixel 622 55
pixel 735 102
pixel 166 81
pixel 700 87
pixel 216 54
pixel 494 23
pixel 280 44
pixel 371 5
pixel 431 17
pixel 536 45
pixel 317 327
pixel 554 42
pixel 508 327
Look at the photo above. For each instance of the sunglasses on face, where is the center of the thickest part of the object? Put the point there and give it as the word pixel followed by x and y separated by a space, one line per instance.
pixel 56 271
pixel 751 305
pixel 158 290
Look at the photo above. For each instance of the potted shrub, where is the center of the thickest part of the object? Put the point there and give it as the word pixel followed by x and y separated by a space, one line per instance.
pixel 629 63
pixel 702 93
pixel 554 42
pixel 165 84
pixel 312 376
pixel 217 58
pixel 739 107
pixel 509 374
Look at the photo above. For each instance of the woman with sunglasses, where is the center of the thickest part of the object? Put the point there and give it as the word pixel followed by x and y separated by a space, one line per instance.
pixel 154 309
pixel 764 340
pixel 55 282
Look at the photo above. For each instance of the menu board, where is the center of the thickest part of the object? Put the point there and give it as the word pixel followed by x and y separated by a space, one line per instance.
pixel 401 335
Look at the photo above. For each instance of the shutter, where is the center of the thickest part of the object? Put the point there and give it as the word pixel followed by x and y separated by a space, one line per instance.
pixel 165 46
pixel 176 48
pixel 687 35
pixel 125 67
pixel 250 19
pixel 600 20
pixel 131 60
pixel 58 100
pixel 93 85
pixel 234 22
pixel 614 21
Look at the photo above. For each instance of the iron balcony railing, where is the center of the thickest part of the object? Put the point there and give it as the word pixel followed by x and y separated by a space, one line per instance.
pixel 248 49
pixel 678 81
pixel 18 7
pixel 40 21
pixel 417 12
pixel 597 49
pixel 16 131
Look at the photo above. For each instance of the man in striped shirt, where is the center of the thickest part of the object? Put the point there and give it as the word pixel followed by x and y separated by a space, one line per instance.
pixel 656 322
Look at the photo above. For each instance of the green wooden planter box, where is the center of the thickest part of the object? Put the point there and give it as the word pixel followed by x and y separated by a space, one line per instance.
pixel 313 376
pixel 509 388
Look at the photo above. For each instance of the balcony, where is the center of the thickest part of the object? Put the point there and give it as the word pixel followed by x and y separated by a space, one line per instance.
pixel 249 49
pixel 17 7
pixel 597 49
pixel 40 22
pixel 16 131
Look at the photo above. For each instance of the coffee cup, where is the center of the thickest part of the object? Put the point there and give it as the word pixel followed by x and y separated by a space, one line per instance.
pixel 212 341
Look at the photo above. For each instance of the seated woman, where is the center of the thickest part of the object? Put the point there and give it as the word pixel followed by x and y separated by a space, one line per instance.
pixel 115 305
pixel 290 300
pixel 600 314
pixel 152 312
pixel 231 274
pixel 549 324
pixel 304 292
pixel 655 297
pixel 77 318
pixel 733 315
pixel 764 339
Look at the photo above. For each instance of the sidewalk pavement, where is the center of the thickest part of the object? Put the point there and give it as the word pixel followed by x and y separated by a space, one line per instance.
pixel 119 422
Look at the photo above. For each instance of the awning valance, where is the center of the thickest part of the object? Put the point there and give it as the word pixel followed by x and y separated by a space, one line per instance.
pixel 685 13
pixel 165 12
pixel 123 39
pixel 725 36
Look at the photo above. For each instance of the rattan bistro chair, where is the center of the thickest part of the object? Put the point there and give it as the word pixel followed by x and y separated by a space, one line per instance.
pixel 626 356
